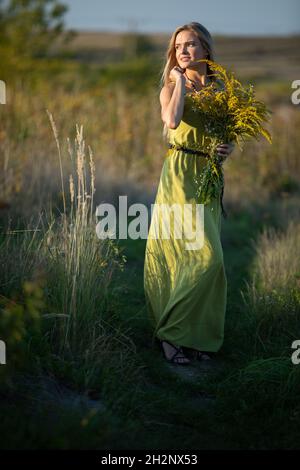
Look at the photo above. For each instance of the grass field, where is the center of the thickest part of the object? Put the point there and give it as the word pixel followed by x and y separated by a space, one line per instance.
pixel 81 369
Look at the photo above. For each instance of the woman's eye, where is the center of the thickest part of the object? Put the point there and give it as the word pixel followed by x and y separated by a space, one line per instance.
pixel 189 44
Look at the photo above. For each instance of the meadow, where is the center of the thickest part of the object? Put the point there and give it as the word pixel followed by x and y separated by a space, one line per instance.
pixel 84 127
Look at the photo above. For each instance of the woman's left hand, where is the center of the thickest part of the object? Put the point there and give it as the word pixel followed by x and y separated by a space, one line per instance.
pixel 224 150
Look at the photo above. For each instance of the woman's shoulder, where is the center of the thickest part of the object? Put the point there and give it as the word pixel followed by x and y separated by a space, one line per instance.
pixel 168 88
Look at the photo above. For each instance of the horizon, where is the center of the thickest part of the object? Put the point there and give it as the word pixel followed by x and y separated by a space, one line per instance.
pixel 164 33
pixel 260 18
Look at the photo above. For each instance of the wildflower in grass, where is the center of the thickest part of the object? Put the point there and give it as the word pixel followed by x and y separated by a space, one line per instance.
pixel 230 113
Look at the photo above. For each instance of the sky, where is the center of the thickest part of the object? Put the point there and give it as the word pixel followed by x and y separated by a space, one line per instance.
pixel 228 17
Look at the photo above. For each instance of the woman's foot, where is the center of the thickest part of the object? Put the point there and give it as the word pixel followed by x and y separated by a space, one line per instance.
pixel 203 356
pixel 173 353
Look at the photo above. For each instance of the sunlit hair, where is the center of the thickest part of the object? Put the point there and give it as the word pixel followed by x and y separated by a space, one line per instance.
pixel 171 61
pixel 205 39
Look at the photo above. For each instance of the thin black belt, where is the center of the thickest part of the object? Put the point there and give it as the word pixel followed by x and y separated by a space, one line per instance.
pixel 187 150
pixel 202 154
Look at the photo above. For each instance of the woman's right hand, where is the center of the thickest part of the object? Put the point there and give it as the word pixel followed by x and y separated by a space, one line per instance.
pixel 176 73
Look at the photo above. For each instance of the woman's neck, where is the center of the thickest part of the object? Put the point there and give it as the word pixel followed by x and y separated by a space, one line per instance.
pixel 199 78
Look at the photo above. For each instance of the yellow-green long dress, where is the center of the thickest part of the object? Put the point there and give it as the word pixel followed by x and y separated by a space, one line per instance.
pixel 186 290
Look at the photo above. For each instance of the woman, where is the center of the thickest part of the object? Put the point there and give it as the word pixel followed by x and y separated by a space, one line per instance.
pixel 186 290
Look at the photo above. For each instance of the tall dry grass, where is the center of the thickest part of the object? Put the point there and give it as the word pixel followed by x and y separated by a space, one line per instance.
pixel 272 297
pixel 126 148
pixel 80 266
pixel 125 132
pixel 264 172
pixel 80 329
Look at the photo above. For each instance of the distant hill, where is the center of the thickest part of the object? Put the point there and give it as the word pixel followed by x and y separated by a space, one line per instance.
pixel 274 57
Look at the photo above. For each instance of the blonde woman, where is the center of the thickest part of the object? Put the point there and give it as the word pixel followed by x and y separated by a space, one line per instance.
pixel 186 290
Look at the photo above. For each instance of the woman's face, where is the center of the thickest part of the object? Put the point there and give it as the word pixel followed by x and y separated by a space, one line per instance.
pixel 188 49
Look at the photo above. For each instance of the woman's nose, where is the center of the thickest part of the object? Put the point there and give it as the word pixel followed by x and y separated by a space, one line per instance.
pixel 183 48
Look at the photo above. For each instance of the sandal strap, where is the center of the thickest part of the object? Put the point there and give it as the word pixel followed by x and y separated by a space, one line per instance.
pixel 178 351
pixel 201 353
pixel 175 355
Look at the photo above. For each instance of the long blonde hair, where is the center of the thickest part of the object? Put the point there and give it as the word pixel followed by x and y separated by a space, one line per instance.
pixel 171 61
pixel 205 39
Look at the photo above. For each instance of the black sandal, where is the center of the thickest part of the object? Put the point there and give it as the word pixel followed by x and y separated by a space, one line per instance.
pixel 203 356
pixel 175 355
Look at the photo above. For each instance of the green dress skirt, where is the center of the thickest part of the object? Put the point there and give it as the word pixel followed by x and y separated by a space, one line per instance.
pixel 186 289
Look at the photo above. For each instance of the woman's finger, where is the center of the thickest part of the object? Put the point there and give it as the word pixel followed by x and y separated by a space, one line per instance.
pixel 230 145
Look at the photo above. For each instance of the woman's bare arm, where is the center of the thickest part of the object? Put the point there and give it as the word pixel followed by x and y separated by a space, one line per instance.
pixel 172 102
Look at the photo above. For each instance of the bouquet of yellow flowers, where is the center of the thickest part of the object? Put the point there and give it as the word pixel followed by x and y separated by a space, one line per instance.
pixel 230 113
